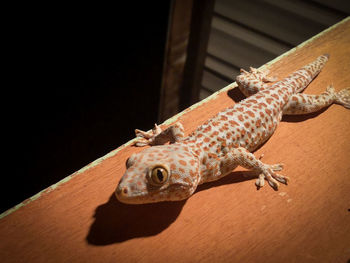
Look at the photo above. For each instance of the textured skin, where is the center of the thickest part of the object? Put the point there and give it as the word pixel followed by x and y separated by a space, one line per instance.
pixel 222 143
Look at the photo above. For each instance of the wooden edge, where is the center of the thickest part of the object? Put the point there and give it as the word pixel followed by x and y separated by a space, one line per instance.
pixel 166 123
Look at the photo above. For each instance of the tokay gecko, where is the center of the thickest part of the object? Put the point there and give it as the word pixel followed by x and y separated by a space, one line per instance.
pixel 171 172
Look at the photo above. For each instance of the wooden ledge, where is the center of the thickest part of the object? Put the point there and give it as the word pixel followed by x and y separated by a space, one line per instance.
pixel 79 219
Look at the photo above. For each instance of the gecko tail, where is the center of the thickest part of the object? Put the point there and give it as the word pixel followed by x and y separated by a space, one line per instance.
pixel 307 73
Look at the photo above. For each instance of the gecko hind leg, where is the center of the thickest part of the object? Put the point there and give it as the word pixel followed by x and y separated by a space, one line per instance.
pixel 304 104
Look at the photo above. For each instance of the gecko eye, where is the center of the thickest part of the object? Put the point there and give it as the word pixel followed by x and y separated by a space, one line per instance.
pixel 158 175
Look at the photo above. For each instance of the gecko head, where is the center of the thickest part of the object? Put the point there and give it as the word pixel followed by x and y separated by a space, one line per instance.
pixel 159 173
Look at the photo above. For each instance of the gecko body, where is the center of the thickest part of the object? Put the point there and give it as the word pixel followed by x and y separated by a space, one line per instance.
pixel 171 172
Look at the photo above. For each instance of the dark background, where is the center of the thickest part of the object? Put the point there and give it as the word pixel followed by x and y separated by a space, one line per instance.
pixel 80 79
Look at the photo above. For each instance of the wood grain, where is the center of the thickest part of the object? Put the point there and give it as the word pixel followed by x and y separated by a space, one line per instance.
pixel 224 221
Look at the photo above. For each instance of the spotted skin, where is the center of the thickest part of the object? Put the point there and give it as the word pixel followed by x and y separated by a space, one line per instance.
pixel 172 172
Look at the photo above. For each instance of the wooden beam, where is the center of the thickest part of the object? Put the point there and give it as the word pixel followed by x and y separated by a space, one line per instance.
pixel 196 52
pixel 175 57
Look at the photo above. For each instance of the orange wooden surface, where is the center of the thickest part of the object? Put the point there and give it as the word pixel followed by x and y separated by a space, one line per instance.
pixel 224 221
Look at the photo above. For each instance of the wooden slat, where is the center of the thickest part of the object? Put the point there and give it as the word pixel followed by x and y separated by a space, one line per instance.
pixel 175 57
pixel 250 37
pixel 211 82
pixel 226 71
pixel 236 51
pixel 79 219
pixel 309 10
pixel 339 5
pixel 197 46
pixel 270 19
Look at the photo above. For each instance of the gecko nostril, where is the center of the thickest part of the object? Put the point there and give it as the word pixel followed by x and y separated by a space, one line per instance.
pixel 124 190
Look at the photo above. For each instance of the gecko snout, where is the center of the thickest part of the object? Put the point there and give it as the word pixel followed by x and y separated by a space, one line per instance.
pixel 122 191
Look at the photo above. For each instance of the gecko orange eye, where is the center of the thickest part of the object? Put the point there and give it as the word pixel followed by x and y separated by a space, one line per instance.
pixel 159 175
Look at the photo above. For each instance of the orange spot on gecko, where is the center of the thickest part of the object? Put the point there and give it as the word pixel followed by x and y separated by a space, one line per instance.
pixel 268 100
pixel 207 129
pixel 223 118
pixel 182 162
pixel 258 123
pixel 268 111
pixel 262 104
pixel 251 114
pixel 212 155
pixel 233 123
pixel 252 101
pixel 175 176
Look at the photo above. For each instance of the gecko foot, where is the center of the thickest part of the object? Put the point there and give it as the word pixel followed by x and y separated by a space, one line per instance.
pixel 343 97
pixel 272 178
pixel 147 138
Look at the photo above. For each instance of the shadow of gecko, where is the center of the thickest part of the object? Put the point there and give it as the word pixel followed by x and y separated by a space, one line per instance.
pixel 116 222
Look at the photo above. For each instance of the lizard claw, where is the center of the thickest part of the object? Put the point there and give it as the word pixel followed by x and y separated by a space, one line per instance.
pixel 141 142
pixel 272 178
pixel 261 156
pixel 147 138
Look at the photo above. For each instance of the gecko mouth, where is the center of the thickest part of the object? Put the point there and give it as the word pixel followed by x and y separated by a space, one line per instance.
pixel 125 195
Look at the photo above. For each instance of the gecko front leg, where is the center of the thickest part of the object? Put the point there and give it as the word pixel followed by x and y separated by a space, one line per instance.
pixel 244 158
pixel 157 136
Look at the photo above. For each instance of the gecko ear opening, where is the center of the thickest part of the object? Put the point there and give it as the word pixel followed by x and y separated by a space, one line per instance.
pixel 158 175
